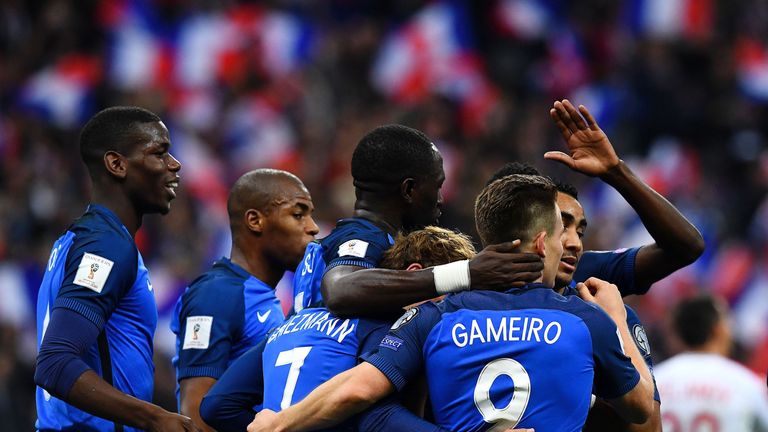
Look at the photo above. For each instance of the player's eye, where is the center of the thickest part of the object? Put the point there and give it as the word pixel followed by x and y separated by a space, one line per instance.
pixel 298 215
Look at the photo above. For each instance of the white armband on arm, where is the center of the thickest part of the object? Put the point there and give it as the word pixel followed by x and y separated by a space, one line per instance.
pixel 451 277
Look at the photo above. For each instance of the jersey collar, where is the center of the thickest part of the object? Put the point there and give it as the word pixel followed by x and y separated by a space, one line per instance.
pixel 530 286
pixel 107 214
pixel 239 271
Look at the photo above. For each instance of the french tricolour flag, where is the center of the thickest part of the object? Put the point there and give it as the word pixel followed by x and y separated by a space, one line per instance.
pixel 61 93
pixel 140 54
pixel 223 46
pixel 752 64
pixel 689 19
pixel 433 53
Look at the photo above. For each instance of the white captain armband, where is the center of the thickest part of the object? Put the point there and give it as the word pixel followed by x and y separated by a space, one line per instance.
pixel 451 277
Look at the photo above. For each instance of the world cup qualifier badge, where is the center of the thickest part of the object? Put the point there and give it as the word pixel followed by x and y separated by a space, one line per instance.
pixel 641 339
pixel 409 315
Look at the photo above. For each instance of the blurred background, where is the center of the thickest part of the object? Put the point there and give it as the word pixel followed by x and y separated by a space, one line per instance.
pixel 680 86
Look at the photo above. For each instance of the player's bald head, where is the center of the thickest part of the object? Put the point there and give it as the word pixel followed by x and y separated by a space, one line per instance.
pixel 262 190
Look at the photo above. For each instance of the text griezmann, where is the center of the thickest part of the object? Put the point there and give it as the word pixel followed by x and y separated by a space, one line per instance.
pixel 321 321
pixel 506 329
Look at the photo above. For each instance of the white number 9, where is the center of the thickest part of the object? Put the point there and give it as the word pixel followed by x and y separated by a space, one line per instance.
pixel 510 415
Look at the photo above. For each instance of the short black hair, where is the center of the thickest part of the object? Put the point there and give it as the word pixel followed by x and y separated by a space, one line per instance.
pixel 110 129
pixel 694 319
pixel 514 207
pixel 567 189
pixel 389 154
pixel 513 168
pixel 527 169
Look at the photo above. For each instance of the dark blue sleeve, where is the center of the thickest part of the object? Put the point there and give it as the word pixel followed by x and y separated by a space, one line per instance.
pixel 99 270
pixel 59 363
pixel 210 320
pixel 229 405
pixel 615 375
pixel 616 267
pixel 370 332
pixel 637 330
pixel 400 353
pixel 390 415
pixel 356 247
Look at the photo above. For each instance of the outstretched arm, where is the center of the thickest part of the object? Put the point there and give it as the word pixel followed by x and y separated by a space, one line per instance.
pixel 677 242
pixel 351 290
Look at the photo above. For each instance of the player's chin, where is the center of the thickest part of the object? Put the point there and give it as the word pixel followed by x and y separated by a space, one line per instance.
pixel 563 279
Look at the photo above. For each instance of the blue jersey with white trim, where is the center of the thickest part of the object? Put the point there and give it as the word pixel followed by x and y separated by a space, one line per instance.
pixel 222 314
pixel 616 267
pixel 354 241
pixel 527 358
pixel 95 270
pixel 309 349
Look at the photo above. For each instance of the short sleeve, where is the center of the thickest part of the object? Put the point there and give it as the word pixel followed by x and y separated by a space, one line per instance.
pixel 99 270
pixel 400 353
pixel 615 375
pixel 210 318
pixel 616 267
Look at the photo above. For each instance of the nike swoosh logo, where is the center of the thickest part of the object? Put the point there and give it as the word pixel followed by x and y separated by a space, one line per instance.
pixel 263 317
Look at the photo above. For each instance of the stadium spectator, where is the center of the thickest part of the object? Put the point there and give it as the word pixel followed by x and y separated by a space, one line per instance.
pixel 702 388
pixel 477 337
pixel 230 308
pixel 96 308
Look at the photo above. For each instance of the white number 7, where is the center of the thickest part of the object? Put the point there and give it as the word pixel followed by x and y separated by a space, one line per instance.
pixel 295 358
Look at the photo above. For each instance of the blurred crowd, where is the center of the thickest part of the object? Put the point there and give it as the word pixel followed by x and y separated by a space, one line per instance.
pixel 680 86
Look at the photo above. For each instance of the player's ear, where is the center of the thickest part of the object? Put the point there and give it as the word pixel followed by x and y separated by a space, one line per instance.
pixel 254 220
pixel 115 164
pixel 539 244
pixel 414 266
pixel 407 188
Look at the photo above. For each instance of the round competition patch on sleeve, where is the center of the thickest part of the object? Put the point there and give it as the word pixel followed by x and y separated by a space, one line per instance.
pixel 641 339
pixel 409 315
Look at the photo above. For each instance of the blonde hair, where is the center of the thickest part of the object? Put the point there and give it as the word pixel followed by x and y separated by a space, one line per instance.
pixel 429 247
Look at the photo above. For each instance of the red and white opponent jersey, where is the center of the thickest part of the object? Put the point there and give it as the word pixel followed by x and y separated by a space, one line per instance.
pixel 710 393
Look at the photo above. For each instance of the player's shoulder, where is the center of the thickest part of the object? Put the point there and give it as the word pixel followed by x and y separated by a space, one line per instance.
pixel 103 237
pixel 221 287
pixel 355 229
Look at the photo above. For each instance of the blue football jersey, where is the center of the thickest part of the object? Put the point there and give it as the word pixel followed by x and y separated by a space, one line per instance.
pixel 354 241
pixel 527 358
pixel 616 267
pixel 309 349
pixel 222 314
pixel 95 270
pixel 637 330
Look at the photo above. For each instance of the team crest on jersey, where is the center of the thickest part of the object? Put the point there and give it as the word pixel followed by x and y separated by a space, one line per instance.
pixel 356 248
pixel 409 315
pixel 92 272
pixel 641 339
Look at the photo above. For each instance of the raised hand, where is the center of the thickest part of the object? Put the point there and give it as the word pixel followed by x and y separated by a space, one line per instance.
pixel 500 267
pixel 590 151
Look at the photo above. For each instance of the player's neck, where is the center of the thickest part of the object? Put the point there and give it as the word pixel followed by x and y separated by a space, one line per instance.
pixel 119 204
pixel 384 220
pixel 254 263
